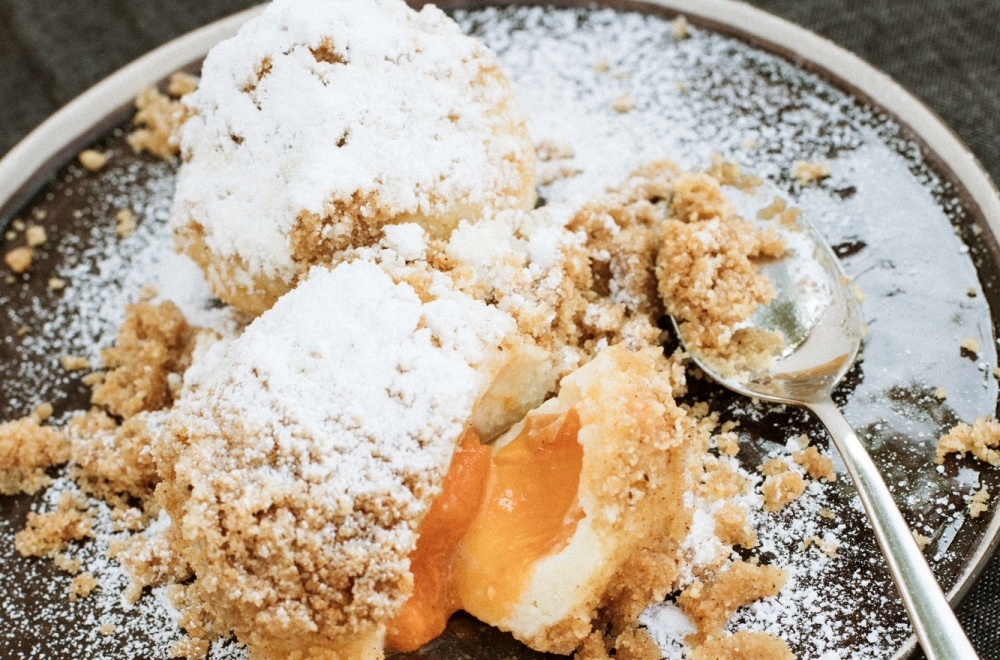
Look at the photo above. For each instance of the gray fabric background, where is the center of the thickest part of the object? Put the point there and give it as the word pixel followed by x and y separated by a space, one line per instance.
pixel 945 52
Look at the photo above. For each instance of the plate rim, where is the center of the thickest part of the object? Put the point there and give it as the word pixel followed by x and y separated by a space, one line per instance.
pixel 24 169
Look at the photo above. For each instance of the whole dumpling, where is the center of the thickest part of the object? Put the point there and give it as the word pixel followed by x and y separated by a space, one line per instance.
pixel 321 121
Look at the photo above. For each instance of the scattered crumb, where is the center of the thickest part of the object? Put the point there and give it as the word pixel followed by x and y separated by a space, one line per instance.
pixel 42 411
pixel 774 466
pixel 749 143
pixel 978 502
pixel 153 342
pixel 549 150
pixel 732 526
pixel 728 443
pixel 721 482
pixel 125 220
pixel 940 392
pixel 780 490
pixel 996 372
pixel 551 172
pixel 728 173
pixel 35 236
pixel 81 586
pixel 623 103
pixel 181 84
pixel 27 450
pixel 817 465
pixel 680 27
pixel 978 439
pixel 64 562
pixel 922 541
pixel 92 159
pixel 74 362
pixel 789 218
pixel 106 629
pixel 827 514
pixel 743 645
pixel 18 224
pixel 808 173
pixel 156 119
pixel 19 259
pixel 709 278
pixel 971 345
pixel 56 283
pixel 48 534
pixel 602 66
pixel 828 546
pixel 711 605
pixel 22 331
pixel 972 293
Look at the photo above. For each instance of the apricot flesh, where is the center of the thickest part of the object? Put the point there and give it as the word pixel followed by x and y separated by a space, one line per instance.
pixel 498 514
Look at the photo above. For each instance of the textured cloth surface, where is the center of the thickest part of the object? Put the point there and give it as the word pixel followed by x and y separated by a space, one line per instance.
pixel 946 52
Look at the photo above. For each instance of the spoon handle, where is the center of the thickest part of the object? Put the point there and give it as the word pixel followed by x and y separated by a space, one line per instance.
pixel 940 634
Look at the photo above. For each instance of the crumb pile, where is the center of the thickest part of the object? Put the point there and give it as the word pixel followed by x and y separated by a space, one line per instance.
pixel 296 131
pixel 709 279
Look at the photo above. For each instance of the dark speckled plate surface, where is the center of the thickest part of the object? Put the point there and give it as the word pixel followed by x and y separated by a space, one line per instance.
pixel 906 208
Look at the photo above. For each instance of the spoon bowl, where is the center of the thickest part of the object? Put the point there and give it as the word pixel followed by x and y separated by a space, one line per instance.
pixel 816 311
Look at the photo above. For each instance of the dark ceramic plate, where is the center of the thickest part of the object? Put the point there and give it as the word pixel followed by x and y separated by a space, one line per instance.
pixel 910 213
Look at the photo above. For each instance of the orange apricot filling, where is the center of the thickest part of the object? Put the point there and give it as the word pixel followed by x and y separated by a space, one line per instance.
pixel 425 613
pixel 530 512
pixel 496 517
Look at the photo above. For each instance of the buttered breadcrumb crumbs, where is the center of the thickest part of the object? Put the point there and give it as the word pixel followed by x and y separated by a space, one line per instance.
pixel 970 344
pixel 27 450
pixel 742 645
pixel 623 103
pixel 92 159
pixel 779 490
pixel 48 534
pixel 709 278
pixel 81 586
pixel 35 236
pixel 772 210
pixel 154 342
pixel 74 362
pixel 817 465
pixel 808 173
pixel 733 527
pixel 124 223
pixel 980 440
pixel 156 121
pixel 978 502
pixel 19 259
pixel 729 173
pixel 711 603
pixel 679 28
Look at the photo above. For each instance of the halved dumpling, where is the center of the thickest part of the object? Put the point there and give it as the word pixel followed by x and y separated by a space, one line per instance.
pixel 568 496
pixel 296 473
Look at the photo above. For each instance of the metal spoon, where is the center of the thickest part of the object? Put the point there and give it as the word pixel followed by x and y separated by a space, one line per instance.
pixel 818 314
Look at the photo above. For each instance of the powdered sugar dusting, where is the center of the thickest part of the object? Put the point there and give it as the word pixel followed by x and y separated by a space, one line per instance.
pixel 305 108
